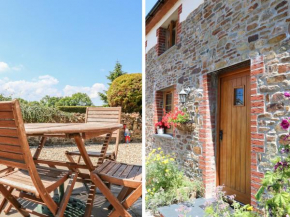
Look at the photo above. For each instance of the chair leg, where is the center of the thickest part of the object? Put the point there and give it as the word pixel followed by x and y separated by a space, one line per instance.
pixel 129 201
pixel 13 201
pixel 66 196
pixel 8 208
pixel 123 194
pixel 4 201
pixel 69 157
pixel 90 201
pixel 121 211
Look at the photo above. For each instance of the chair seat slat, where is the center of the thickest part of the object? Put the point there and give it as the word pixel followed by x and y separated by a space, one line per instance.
pixel 133 172
pixel 126 171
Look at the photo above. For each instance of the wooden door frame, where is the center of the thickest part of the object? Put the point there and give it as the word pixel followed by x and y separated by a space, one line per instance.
pixel 244 70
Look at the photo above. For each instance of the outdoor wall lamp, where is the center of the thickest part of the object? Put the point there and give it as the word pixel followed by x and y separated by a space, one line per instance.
pixel 183 94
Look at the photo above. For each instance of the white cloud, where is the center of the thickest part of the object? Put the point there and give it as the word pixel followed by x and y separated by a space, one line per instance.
pixel 46 85
pixel 4 67
pixel 30 90
pixel 92 91
pixel 17 68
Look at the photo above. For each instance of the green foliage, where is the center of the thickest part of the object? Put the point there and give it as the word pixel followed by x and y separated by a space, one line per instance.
pixel 5 98
pixel 165 182
pixel 126 92
pixel 73 109
pixel 117 72
pixel 104 97
pixel 274 194
pixel 220 206
pixel 77 99
pixel 42 114
pixel 50 101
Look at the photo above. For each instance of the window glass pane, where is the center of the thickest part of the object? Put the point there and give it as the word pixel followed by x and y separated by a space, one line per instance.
pixel 239 96
pixel 168 102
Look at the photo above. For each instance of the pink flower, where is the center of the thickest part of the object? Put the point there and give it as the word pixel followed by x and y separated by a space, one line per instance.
pixel 287 94
pixel 285 124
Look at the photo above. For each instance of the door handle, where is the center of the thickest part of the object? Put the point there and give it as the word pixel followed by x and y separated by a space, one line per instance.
pixel 221 135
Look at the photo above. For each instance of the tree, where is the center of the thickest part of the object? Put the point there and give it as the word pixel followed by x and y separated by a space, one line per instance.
pixel 50 101
pixel 5 98
pixel 126 91
pixel 77 99
pixel 81 99
pixel 117 72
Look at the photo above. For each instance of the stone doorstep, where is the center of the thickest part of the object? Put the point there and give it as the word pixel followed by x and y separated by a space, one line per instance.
pixel 197 208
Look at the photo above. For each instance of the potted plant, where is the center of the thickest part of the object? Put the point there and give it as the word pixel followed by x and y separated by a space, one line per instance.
pixel 160 127
pixel 179 119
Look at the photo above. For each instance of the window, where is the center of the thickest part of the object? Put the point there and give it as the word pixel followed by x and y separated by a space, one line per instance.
pixel 168 105
pixel 170 34
pixel 239 96
pixel 167 33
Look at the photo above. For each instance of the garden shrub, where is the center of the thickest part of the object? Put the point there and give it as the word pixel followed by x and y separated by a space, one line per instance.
pixel 42 114
pixel 166 183
pixel 73 109
pixel 220 206
pixel 274 194
pixel 126 92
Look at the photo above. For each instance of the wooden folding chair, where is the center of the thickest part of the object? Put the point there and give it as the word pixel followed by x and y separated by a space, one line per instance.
pixel 101 115
pixel 129 176
pixel 25 179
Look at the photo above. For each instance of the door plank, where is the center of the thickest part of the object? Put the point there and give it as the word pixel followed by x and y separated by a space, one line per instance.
pixel 234 149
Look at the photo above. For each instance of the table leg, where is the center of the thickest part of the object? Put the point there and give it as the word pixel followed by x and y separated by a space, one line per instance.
pixel 39 148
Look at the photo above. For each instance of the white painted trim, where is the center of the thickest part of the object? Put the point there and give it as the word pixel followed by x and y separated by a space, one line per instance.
pixel 187 7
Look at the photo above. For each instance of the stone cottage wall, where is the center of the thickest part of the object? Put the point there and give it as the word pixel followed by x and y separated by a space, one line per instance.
pixel 219 34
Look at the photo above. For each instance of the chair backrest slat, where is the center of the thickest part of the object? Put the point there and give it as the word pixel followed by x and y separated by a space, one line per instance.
pixel 11 152
pixel 14 147
pixel 104 115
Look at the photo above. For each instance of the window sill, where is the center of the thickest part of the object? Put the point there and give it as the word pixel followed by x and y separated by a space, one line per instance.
pixel 163 136
pixel 169 50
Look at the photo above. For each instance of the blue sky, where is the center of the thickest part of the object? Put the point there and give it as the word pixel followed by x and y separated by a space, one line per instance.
pixel 61 47
pixel 149 5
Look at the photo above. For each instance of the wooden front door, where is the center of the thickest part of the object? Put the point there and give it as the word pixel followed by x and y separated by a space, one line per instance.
pixel 234 134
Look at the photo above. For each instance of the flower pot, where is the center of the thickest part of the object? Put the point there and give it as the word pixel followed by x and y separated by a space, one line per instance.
pixel 187 127
pixel 160 131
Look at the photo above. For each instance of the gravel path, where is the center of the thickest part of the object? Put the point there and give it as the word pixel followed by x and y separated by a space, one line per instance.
pixel 128 153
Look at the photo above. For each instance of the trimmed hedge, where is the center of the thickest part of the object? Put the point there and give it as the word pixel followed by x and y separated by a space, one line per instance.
pixel 43 114
pixel 126 92
pixel 73 109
